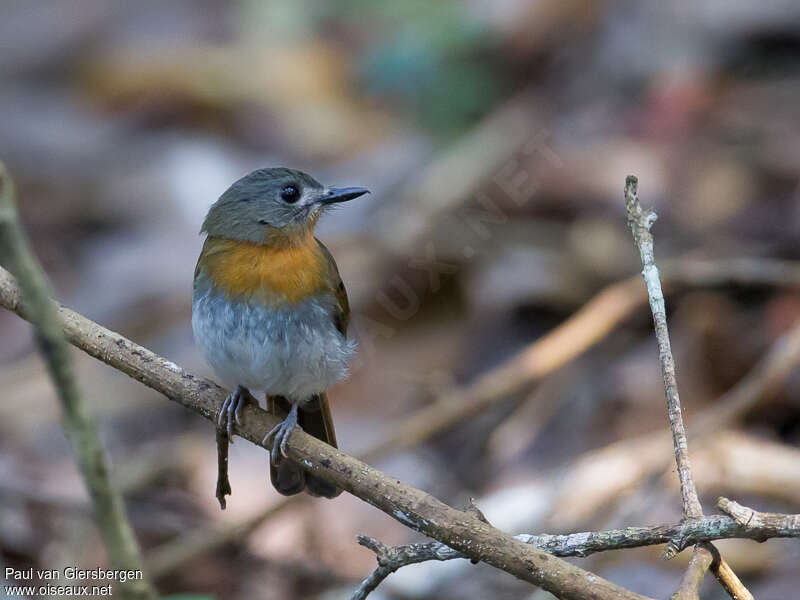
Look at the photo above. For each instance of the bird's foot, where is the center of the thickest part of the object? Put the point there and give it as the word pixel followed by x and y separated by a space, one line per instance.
pixel 232 409
pixel 281 432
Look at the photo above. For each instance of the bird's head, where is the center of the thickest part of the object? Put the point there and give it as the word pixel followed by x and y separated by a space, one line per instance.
pixel 274 205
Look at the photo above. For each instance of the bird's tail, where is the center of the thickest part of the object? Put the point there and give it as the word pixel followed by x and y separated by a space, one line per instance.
pixel 314 416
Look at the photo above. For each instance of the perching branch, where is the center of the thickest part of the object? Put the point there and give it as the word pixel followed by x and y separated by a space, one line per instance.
pixel 79 424
pixel 416 509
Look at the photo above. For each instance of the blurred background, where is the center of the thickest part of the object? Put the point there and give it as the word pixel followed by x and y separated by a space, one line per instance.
pixel 495 138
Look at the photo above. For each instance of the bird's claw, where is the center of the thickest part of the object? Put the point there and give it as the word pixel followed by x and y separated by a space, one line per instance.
pixel 232 409
pixel 281 432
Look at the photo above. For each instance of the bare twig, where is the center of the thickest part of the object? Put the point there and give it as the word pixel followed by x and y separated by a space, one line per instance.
pixel 640 221
pixel 686 533
pixel 414 508
pixel 704 558
pixel 747 517
pixel 79 424
pixel 698 565
pixel 729 581
pixel 391 559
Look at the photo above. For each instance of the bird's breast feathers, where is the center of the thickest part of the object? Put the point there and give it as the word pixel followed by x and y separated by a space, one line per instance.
pixel 284 274
pixel 271 318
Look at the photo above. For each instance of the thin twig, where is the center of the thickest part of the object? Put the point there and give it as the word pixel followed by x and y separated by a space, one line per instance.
pixel 747 517
pixel 78 422
pixel 729 581
pixel 412 507
pixel 384 569
pixel 640 221
pixel 683 534
pixel 698 565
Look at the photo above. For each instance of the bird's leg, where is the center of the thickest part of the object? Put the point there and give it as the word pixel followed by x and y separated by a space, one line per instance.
pixel 282 431
pixel 232 409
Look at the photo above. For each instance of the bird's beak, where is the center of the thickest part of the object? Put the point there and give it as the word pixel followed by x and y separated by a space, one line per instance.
pixel 335 195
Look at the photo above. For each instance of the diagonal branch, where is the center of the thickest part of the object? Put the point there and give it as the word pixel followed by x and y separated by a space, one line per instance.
pixel 414 508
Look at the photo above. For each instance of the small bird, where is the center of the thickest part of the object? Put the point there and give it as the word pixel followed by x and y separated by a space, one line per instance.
pixel 270 311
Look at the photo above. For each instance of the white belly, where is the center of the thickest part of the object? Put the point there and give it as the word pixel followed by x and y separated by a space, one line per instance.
pixel 293 352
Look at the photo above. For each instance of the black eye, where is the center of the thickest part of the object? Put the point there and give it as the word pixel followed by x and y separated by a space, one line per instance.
pixel 290 194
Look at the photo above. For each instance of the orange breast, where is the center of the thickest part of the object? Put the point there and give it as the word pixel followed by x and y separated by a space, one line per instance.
pixel 274 274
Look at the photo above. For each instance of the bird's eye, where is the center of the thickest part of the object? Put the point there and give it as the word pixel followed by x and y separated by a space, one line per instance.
pixel 290 194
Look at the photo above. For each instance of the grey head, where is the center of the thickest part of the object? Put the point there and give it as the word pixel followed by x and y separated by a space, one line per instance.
pixel 272 202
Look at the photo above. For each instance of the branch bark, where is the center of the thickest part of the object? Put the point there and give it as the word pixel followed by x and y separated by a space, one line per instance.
pixel 729 581
pixel 686 533
pixel 698 565
pixel 79 425
pixel 747 517
pixel 640 221
pixel 414 508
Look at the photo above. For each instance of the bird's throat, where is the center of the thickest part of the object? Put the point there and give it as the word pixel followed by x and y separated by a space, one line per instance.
pixel 272 273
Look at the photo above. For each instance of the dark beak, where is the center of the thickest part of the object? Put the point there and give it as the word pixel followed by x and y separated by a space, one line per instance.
pixel 335 195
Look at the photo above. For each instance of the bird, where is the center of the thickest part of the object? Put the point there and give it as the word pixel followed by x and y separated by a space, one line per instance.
pixel 270 311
